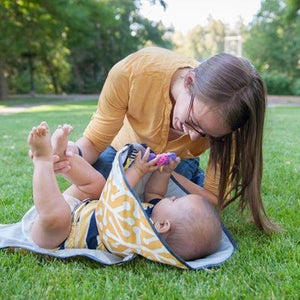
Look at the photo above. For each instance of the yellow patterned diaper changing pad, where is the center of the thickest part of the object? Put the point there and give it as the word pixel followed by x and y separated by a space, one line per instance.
pixel 123 225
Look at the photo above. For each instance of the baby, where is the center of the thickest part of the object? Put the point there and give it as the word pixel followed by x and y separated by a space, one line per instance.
pixel 189 224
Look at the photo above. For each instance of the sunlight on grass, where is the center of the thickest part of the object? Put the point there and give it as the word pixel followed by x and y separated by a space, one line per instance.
pixel 61 107
pixel 28 101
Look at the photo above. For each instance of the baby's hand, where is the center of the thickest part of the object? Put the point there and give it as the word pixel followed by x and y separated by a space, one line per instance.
pixel 164 158
pixel 141 164
pixel 170 167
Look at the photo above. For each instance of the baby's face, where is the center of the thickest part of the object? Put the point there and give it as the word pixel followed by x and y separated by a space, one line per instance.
pixel 173 206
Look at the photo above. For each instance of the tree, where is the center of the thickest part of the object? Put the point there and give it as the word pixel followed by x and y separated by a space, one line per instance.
pixel 273 42
pixel 106 32
pixel 57 38
pixel 8 48
pixel 32 33
pixel 292 11
pixel 202 41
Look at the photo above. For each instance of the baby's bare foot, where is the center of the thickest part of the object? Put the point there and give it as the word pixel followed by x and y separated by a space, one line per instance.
pixel 59 139
pixel 39 141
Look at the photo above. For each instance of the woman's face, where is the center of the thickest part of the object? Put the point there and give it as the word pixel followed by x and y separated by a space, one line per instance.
pixel 200 120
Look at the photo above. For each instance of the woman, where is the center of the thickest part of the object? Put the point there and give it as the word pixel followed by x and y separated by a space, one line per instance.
pixel 172 103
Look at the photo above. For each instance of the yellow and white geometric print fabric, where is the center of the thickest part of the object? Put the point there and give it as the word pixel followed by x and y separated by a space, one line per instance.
pixel 124 227
pixel 81 229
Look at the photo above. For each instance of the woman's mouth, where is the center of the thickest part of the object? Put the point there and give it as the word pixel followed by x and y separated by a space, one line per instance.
pixel 184 128
pixel 180 127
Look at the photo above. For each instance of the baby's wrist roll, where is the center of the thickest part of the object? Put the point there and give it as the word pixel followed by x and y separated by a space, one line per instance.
pixel 79 150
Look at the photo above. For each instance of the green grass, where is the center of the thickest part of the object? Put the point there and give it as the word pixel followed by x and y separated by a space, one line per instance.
pixel 264 267
pixel 13 101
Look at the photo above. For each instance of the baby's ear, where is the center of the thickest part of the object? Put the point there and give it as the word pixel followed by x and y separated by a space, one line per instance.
pixel 162 226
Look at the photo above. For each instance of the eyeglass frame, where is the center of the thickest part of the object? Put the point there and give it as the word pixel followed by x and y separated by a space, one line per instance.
pixel 187 122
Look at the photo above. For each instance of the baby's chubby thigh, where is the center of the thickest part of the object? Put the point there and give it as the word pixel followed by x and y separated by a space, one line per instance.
pixel 49 231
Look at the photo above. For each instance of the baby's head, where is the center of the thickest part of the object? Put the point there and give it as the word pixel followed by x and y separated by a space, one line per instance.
pixel 189 224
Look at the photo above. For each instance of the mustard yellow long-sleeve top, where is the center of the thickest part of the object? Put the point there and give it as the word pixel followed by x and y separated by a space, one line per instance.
pixel 135 106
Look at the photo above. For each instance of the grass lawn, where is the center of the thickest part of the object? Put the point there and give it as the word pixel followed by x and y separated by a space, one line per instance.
pixel 263 267
pixel 14 101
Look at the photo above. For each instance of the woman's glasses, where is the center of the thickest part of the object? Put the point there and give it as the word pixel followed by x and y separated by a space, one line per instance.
pixel 191 124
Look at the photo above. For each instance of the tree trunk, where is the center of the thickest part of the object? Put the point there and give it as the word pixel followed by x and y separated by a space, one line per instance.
pixel 3 86
pixel 31 74
pixel 79 81
pixel 52 74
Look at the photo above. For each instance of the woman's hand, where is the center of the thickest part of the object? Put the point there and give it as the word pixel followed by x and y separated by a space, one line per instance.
pixel 62 166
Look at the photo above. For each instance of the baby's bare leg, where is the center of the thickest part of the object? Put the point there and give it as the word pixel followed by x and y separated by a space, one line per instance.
pixel 87 182
pixel 53 223
pixel 59 140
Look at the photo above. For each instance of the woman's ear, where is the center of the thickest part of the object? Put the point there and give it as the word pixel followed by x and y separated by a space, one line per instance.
pixel 162 226
pixel 189 79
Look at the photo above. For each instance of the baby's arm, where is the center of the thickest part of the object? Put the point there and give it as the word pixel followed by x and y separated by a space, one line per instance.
pixel 140 167
pixel 157 185
pixel 86 181
pixel 193 188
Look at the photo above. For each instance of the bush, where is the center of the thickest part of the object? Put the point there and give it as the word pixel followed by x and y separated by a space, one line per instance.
pixel 296 87
pixel 278 83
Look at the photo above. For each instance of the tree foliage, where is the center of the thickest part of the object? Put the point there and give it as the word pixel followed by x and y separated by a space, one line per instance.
pixel 57 46
pixel 273 42
pixel 70 44
pixel 292 9
pixel 202 41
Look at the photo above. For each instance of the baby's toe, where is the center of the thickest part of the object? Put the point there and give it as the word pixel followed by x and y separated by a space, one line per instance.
pixel 67 128
pixel 33 130
pixel 44 125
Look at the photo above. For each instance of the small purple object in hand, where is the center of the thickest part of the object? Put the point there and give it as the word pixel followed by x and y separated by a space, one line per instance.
pixel 164 158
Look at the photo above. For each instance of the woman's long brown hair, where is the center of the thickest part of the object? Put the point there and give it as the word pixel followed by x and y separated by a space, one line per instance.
pixel 237 92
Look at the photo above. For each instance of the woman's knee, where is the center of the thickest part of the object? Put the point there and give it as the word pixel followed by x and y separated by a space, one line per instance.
pixel 187 167
pixel 105 160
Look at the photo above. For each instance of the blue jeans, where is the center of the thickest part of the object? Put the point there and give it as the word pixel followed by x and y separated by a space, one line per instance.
pixel 188 167
pixel 105 160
